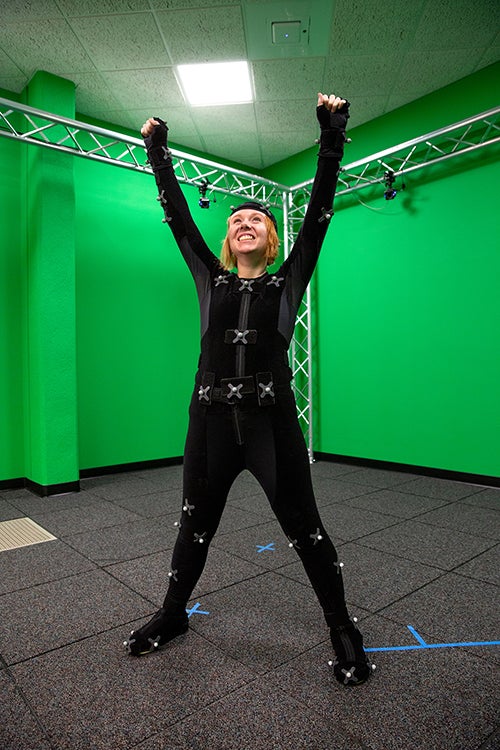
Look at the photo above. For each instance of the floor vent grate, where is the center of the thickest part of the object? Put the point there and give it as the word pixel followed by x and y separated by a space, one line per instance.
pixel 22 532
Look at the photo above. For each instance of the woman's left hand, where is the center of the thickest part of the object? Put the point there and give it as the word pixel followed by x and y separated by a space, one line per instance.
pixel 331 102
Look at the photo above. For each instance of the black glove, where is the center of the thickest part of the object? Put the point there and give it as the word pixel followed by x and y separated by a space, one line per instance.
pixel 156 146
pixel 333 125
pixel 333 120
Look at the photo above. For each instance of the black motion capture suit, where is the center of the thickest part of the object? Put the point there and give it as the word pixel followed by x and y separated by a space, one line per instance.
pixel 242 412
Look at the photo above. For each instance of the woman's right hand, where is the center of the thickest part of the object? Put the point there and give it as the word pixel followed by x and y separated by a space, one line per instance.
pixel 148 127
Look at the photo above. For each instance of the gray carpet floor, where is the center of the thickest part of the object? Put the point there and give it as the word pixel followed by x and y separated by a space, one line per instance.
pixel 421 571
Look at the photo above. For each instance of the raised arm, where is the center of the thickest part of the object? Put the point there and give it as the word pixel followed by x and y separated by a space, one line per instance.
pixel 177 214
pixel 332 113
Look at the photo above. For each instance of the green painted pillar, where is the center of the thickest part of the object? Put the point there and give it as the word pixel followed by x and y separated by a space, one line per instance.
pixel 50 389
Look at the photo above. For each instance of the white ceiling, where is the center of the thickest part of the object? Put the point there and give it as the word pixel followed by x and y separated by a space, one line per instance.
pixel 121 55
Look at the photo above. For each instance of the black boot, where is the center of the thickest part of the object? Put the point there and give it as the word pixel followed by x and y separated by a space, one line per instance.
pixel 161 629
pixel 351 665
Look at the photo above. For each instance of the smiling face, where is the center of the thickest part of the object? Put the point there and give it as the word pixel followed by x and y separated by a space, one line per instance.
pixel 247 233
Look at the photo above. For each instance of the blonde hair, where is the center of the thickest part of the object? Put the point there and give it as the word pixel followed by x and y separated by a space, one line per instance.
pixel 228 260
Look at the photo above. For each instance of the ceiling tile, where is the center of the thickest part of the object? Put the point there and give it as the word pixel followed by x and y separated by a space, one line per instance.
pixel 178 119
pixel 155 88
pixel 110 118
pixel 278 146
pixel 366 108
pixel 242 147
pixel 46 45
pixel 311 21
pixel 273 78
pixel 190 142
pixel 237 118
pixel 425 71
pixel 7 66
pixel 281 118
pixel 15 11
pixel 467 24
pixel 13 83
pixel 367 26
pixel 192 36
pixel 121 42
pixel 361 75
pixel 491 55
pixel 185 4
pixel 92 93
pixel 101 7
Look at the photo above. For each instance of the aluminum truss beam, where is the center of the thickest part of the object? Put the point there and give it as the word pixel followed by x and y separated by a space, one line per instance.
pixel 458 139
pixel 34 126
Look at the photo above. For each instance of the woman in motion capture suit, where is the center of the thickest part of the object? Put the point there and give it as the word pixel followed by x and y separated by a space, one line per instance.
pixel 242 412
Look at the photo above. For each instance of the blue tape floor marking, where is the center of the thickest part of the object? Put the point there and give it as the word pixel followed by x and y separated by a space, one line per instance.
pixel 423 645
pixel 195 610
pixel 417 636
pixel 265 547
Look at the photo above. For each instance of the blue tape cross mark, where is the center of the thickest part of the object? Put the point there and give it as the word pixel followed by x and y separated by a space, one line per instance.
pixel 417 636
pixel 265 547
pixel 195 609
pixel 423 645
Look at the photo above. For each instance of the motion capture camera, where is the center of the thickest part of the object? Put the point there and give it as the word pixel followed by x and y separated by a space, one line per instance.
pixel 390 191
pixel 204 202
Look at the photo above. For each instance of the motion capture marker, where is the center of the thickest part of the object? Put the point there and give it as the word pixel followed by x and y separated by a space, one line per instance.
pixel 339 566
pixel 316 536
pixel 195 610
pixel 326 215
pixel 275 281
pixel 203 393
pixel 164 205
pixel 241 336
pixel 221 279
pixel 246 285
pixel 177 524
pixel 128 643
pixel 349 677
pixel 266 389
pixel 173 574
pixel 234 390
pixel 200 538
pixel 187 508
pixel 265 547
pixel 293 543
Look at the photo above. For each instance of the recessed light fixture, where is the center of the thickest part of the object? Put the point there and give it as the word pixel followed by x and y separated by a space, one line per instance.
pixel 212 84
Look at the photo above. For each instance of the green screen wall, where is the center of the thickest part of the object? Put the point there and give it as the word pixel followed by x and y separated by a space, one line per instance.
pixel 138 324
pixel 408 320
pixel 407 311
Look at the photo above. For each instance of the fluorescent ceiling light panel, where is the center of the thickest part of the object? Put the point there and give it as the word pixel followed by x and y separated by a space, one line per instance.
pixel 212 84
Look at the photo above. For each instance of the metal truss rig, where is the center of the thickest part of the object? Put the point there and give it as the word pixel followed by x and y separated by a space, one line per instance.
pixel 41 128
pixel 33 126
pixel 461 138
